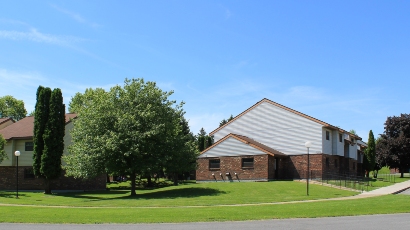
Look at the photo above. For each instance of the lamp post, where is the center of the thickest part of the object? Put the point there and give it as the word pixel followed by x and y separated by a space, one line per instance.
pixel 308 144
pixel 17 154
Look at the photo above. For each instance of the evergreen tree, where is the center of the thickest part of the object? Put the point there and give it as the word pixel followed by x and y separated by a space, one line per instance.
pixel 208 141
pixel 201 139
pixel 370 154
pixel 223 122
pixel 41 114
pixel 53 140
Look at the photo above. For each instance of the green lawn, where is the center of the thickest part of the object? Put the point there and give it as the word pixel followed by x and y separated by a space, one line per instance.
pixel 189 194
pixel 369 206
pixel 192 202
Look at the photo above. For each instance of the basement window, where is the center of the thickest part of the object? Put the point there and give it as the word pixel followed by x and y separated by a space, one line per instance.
pixel 29 146
pixel 247 162
pixel 335 163
pixel 327 162
pixel 214 164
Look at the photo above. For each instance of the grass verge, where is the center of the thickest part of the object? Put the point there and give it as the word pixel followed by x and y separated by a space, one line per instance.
pixel 190 194
pixel 81 215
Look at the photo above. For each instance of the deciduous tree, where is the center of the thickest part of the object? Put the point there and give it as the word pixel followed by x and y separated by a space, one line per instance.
pixel 393 149
pixel 3 154
pixel 126 131
pixel 11 107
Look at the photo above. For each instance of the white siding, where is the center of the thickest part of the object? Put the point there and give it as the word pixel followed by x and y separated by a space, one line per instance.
pixel 340 145
pixel 335 139
pixel 353 151
pixel 327 144
pixel 231 147
pixel 277 128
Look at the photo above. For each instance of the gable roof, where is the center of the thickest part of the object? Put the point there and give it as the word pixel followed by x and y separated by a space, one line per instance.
pixel 24 128
pixel 325 125
pixel 250 142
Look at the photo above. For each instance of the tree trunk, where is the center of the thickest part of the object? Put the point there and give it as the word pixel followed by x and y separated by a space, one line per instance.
pixel 47 189
pixel 401 172
pixel 149 181
pixel 175 177
pixel 133 177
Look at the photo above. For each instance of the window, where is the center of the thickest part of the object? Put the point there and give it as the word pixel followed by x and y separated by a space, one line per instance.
pixel 327 135
pixel 327 162
pixel 29 173
pixel 214 164
pixel 29 146
pixel 247 162
pixel 335 163
pixel 340 137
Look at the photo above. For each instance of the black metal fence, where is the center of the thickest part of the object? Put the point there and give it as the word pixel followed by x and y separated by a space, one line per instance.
pixel 347 180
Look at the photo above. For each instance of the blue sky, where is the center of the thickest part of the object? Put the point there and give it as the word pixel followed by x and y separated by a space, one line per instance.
pixel 344 62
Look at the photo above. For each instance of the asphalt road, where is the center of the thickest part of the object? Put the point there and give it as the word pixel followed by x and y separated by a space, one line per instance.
pixel 373 222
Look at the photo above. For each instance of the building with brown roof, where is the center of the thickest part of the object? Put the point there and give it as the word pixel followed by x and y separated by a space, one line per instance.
pixel 19 136
pixel 266 142
pixel 5 121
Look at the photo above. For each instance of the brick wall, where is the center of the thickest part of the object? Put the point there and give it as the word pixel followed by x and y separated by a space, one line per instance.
pixel 292 167
pixel 8 181
pixel 232 165
pixel 295 167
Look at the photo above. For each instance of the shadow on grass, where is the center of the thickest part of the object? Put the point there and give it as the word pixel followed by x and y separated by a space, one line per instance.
pixel 167 194
pixel 10 195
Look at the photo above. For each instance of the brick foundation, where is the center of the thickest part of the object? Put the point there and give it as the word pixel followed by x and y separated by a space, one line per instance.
pixel 263 169
pixel 8 181
pixel 291 167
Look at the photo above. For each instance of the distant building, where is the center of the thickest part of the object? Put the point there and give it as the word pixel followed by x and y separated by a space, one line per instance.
pixel 19 136
pixel 266 142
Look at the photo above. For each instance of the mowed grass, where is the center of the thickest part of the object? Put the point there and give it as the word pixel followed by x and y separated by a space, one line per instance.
pixel 189 194
pixel 81 215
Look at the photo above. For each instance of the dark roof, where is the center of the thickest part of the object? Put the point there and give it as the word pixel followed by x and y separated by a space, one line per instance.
pixel 326 125
pixel 5 119
pixel 23 129
pixel 250 142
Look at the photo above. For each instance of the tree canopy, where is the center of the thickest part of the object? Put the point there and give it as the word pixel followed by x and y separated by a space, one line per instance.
pixel 393 148
pixel 223 122
pixel 203 141
pixel 129 130
pixel 11 107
